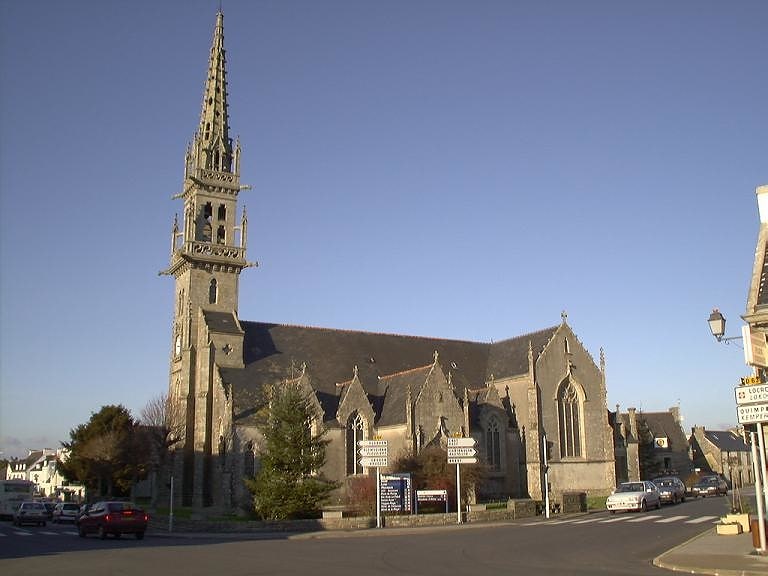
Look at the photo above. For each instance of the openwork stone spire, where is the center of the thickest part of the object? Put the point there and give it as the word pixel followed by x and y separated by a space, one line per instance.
pixel 212 148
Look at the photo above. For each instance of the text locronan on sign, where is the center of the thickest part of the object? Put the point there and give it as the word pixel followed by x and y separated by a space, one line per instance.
pixel 751 394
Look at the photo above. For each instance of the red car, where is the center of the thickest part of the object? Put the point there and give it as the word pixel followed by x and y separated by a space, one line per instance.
pixel 113 518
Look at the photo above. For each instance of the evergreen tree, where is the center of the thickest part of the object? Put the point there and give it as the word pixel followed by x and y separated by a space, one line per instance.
pixel 289 484
pixel 106 455
pixel 650 466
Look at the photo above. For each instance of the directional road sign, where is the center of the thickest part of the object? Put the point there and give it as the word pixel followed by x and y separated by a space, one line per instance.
pixel 462 460
pixel 457 442
pixel 752 413
pixel 370 451
pixel 751 394
pixel 374 462
pixel 461 452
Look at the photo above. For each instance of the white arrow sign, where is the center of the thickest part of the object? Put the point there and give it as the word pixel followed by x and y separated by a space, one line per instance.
pixel 363 443
pixel 369 451
pixel 461 452
pixel 462 460
pixel 374 462
pixel 461 442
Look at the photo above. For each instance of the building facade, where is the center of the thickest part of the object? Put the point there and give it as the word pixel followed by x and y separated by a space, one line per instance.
pixel 722 452
pixel 519 397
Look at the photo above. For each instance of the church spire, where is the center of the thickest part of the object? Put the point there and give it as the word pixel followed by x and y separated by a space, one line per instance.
pixel 212 148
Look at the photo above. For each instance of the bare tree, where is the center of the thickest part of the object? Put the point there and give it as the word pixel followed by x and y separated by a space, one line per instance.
pixel 162 427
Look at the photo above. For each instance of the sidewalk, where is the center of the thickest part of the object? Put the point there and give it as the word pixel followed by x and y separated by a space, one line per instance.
pixel 710 553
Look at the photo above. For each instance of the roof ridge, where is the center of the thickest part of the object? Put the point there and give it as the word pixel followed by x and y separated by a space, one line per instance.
pixel 528 334
pixel 405 372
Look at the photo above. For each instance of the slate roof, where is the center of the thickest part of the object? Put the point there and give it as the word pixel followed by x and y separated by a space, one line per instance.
pixel 663 424
pixel 274 352
pixel 726 441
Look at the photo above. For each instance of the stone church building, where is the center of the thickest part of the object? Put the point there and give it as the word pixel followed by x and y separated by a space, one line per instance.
pixel 518 397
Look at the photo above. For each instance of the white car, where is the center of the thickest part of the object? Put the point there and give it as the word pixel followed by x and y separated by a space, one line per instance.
pixel 639 495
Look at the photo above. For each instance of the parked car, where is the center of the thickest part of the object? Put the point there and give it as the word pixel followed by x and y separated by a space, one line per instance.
pixel 30 513
pixel 116 518
pixel 49 506
pixel 671 489
pixel 710 486
pixel 65 512
pixel 639 495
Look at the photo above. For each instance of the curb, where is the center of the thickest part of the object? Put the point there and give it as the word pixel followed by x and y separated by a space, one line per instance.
pixel 661 562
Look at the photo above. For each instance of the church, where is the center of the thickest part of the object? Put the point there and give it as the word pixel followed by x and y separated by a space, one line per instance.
pixel 518 398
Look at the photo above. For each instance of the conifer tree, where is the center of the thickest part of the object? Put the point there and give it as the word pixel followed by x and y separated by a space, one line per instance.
pixel 288 483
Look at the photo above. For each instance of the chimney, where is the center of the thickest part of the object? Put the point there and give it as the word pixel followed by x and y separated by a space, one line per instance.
pixel 632 421
pixel 675 411
pixel 762 203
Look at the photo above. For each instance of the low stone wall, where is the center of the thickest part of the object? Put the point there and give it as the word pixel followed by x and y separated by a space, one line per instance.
pixel 515 509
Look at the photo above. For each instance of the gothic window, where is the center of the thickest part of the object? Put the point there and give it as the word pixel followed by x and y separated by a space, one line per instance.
pixel 213 292
pixel 492 444
pixel 220 235
pixel 222 214
pixel 249 461
pixel 355 433
pixel 569 420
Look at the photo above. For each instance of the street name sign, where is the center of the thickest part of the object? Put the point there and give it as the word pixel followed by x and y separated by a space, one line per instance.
pixel 751 394
pixel 752 413
pixel 369 451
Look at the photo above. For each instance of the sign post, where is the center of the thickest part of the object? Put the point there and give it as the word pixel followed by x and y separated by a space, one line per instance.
pixel 460 451
pixel 752 408
pixel 374 454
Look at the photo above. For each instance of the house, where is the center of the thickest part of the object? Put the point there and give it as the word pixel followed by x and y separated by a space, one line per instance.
pixel 722 452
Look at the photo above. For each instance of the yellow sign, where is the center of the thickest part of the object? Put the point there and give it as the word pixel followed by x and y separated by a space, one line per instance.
pixel 749 380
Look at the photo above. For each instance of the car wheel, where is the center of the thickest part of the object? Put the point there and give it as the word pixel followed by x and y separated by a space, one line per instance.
pixel 613 511
pixel 102 532
pixel 43 523
pixel 117 535
pixel 81 531
pixel 139 535
pixel 658 505
pixel 643 506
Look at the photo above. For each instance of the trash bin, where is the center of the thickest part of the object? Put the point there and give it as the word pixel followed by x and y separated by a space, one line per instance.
pixel 754 527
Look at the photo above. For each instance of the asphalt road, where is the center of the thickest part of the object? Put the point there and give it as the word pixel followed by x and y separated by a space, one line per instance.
pixel 593 544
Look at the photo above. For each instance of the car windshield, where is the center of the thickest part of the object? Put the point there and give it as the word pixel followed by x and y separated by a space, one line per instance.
pixel 120 506
pixel 70 507
pixel 631 487
pixel 710 480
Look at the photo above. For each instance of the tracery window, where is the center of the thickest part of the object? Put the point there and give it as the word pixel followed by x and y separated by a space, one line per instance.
pixel 569 420
pixel 493 445
pixel 355 433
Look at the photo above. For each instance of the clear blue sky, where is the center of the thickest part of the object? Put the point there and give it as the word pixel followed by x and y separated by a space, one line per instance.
pixel 453 169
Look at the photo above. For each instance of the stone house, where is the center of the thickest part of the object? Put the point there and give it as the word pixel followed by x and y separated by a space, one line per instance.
pixel 722 452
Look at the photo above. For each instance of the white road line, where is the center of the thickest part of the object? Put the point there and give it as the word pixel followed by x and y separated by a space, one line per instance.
pixel 23 533
pixel 645 518
pixel 50 533
pixel 700 520
pixel 671 519
pixel 587 521
pixel 616 519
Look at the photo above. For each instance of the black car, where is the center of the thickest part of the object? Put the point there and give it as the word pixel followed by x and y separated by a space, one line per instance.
pixel 671 488
pixel 710 486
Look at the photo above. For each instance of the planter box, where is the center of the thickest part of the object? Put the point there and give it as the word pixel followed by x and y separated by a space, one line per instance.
pixel 742 519
pixel 729 529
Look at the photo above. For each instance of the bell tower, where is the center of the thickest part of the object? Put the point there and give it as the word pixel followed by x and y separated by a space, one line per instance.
pixel 207 256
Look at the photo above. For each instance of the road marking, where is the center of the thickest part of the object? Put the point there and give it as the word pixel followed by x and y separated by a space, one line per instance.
pixel 700 520
pixel 645 518
pixel 671 519
pixel 587 521
pixel 23 533
pixel 49 533
pixel 616 519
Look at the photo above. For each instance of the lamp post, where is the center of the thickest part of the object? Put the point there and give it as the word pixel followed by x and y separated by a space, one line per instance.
pixel 717 327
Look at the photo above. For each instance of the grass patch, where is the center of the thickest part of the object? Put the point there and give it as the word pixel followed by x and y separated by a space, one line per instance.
pixel 596 502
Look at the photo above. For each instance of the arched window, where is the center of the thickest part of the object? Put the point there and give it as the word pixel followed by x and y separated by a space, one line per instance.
pixel 355 433
pixel 249 461
pixel 569 419
pixel 213 291
pixel 220 235
pixel 492 444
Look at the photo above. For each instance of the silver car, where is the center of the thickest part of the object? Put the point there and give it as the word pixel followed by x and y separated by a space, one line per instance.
pixel 640 495
pixel 30 513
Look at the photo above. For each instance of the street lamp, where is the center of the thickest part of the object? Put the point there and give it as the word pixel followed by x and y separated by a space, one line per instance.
pixel 717 326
